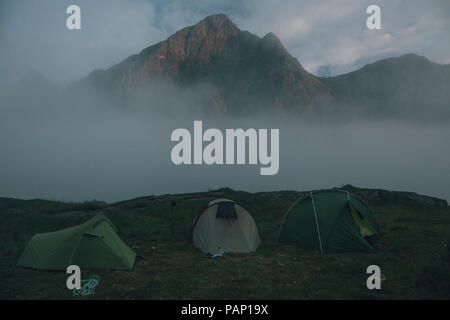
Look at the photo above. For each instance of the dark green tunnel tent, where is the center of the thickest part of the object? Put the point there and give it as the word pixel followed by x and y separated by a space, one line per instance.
pixel 94 244
pixel 329 221
pixel 225 224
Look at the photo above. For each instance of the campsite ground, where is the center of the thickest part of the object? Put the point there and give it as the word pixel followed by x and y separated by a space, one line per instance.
pixel 413 252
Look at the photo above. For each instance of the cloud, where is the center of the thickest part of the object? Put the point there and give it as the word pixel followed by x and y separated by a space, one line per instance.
pixel 333 33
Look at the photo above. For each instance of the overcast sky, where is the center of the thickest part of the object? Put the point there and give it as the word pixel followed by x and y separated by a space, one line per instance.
pixel 327 37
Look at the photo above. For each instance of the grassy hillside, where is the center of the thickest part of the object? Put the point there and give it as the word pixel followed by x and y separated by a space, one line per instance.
pixel 413 252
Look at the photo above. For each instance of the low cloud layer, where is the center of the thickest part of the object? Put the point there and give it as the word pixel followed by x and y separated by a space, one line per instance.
pixel 112 155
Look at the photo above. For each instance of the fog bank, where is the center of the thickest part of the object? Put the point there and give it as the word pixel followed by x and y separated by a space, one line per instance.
pixel 111 154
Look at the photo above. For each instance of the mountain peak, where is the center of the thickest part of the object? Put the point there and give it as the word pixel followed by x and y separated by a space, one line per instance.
pixel 197 42
pixel 192 45
pixel 217 23
pixel 408 59
pixel 414 56
pixel 219 18
pixel 271 37
pixel 272 44
pixel 271 41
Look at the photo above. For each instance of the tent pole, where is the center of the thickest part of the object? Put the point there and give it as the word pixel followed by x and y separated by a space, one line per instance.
pixel 317 223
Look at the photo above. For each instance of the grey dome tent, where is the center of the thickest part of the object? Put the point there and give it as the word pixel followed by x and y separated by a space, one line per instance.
pixel 225 225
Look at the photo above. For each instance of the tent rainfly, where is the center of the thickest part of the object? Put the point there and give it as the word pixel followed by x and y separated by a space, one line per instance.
pixel 225 225
pixel 329 221
pixel 94 244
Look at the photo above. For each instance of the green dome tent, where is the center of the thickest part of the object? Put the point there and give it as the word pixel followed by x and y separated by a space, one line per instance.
pixel 91 245
pixel 329 221
pixel 225 225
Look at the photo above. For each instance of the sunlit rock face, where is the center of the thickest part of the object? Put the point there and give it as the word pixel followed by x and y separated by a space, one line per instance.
pixel 234 71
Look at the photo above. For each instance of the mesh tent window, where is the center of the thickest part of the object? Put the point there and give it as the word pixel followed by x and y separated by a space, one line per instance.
pixel 226 210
